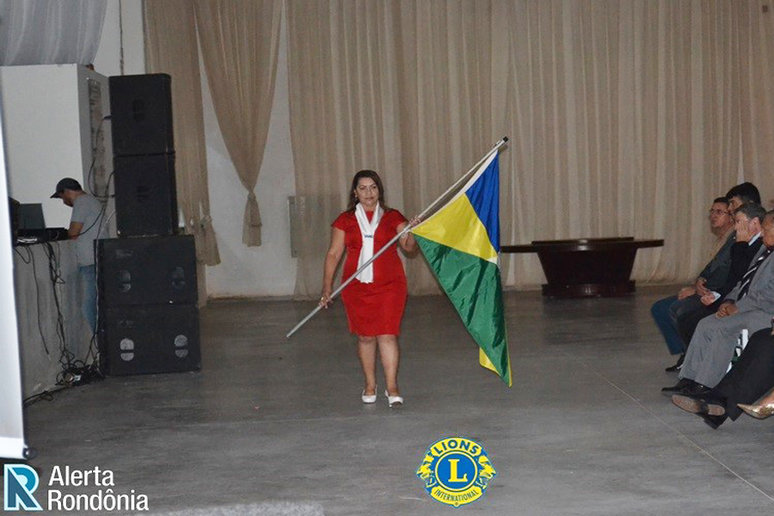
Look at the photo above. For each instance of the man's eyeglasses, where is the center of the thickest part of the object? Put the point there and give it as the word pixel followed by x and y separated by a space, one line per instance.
pixel 718 212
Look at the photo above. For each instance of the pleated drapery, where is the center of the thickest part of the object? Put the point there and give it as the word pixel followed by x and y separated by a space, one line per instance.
pixel 239 42
pixel 50 31
pixel 171 47
pixel 626 117
pixel 343 114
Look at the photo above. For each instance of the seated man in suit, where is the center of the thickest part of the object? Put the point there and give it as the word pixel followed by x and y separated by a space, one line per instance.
pixel 667 311
pixel 747 227
pixel 748 306
pixel 668 316
pixel 751 377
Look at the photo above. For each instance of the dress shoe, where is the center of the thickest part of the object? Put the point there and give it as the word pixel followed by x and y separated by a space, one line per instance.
pixel 677 366
pixel 679 387
pixel 757 411
pixel 713 421
pixel 689 404
pixel 368 398
pixel 699 405
pixel 696 390
pixel 393 401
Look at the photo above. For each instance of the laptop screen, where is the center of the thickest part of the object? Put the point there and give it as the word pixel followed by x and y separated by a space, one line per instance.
pixel 31 216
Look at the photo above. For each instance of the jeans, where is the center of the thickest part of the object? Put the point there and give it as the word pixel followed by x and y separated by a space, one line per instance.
pixel 666 311
pixel 88 276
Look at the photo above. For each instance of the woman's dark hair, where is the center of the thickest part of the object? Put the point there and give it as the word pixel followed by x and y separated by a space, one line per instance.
pixel 360 175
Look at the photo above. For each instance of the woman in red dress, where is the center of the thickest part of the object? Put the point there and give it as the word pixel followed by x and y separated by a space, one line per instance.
pixel 375 300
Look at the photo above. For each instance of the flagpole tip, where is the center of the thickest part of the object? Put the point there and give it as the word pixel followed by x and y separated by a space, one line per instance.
pixel 505 138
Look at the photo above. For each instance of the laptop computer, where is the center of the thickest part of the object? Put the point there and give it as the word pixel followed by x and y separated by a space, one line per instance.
pixel 31 217
pixel 32 226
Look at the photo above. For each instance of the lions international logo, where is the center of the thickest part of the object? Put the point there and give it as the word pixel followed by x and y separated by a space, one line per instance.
pixel 456 471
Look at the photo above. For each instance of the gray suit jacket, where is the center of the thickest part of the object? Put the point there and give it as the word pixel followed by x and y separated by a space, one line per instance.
pixel 760 295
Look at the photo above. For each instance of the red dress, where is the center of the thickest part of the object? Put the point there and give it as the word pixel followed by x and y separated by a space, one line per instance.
pixel 374 308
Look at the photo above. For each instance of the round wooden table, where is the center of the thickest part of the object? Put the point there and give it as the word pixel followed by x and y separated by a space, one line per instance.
pixel 587 267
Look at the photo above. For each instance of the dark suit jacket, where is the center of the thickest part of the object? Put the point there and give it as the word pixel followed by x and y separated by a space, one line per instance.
pixel 742 254
pixel 717 269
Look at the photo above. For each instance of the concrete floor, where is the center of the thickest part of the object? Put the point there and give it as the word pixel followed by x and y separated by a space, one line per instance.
pixel 584 430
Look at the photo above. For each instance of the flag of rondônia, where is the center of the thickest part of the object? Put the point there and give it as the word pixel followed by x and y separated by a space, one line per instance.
pixel 461 242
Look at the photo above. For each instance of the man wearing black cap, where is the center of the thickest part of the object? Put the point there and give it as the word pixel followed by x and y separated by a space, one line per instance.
pixel 86 225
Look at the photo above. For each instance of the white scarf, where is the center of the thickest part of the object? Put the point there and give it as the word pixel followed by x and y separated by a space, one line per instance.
pixel 367 232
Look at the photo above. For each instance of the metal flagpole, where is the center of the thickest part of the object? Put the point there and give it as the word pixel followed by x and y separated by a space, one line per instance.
pixel 402 232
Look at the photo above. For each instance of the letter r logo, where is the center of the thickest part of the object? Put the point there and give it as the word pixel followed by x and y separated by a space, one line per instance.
pixel 19 482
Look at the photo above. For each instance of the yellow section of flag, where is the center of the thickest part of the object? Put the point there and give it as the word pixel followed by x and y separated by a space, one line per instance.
pixel 484 362
pixel 458 226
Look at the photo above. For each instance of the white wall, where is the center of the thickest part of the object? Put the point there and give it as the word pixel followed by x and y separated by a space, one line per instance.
pixel 268 270
pixel 11 418
pixel 42 134
pixel 45 112
pixel 48 131
pixel 122 49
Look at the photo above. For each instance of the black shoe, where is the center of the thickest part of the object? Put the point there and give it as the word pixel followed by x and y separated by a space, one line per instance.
pixel 696 390
pixel 713 421
pixel 677 366
pixel 677 388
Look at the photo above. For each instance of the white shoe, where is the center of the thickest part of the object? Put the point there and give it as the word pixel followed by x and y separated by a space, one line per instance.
pixel 393 400
pixel 368 398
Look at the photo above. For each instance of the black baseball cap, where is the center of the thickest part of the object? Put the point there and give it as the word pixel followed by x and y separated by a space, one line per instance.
pixel 67 183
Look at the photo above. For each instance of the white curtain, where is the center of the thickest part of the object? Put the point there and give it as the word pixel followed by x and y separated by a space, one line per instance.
pixel 50 31
pixel 171 47
pixel 239 42
pixel 756 101
pixel 626 117
pixel 343 101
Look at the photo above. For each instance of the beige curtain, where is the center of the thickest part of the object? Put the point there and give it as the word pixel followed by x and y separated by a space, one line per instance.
pixel 239 42
pixel 626 117
pixel 625 122
pixel 445 54
pixel 170 46
pixel 366 79
pixel 756 60
pixel 343 114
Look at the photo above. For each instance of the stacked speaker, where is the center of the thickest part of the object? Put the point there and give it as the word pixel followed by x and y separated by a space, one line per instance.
pixel 144 154
pixel 148 315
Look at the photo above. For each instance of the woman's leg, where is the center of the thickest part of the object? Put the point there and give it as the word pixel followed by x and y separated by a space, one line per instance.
pixel 366 352
pixel 389 353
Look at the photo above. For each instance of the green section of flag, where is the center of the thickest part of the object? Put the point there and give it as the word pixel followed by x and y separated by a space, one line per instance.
pixel 473 286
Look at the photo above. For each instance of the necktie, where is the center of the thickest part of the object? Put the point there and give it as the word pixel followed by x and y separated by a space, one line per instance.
pixel 748 276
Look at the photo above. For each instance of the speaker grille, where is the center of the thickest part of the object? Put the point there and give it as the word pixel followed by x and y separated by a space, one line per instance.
pixel 150 339
pixel 141 114
pixel 146 197
pixel 147 270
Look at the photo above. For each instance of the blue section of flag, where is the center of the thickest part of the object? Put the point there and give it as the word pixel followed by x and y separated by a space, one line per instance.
pixel 484 196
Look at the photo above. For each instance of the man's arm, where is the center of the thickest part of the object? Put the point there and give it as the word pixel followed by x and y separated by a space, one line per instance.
pixel 716 271
pixel 760 295
pixel 74 230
